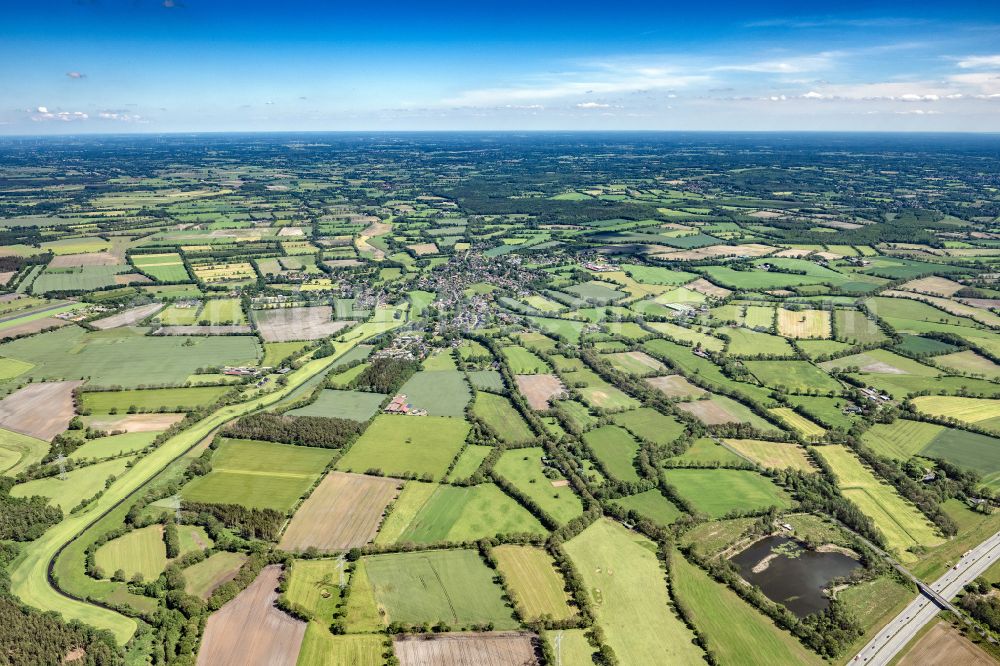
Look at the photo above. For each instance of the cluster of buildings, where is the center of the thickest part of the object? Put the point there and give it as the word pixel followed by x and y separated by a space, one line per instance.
pixel 398 405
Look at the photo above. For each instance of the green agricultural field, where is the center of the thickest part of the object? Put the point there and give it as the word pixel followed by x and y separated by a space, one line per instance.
pixel 636 363
pixel 140 552
pixel 430 586
pixel 524 469
pixel 486 380
pixel 218 311
pixel 799 376
pixel 441 393
pixel 321 648
pixel 354 405
pixel 202 578
pixel 470 460
pixel 816 348
pixel 78 484
pixel 900 439
pixel 694 336
pixel 18 451
pixel 744 342
pixel 627 587
pixel 192 538
pixel 829 411
pixel 735 631
pixel 656 275
pixel 969 362
pixel 753 280
pixel 601 395
pixel 902 525
pixel 977 411
pixel 647 423
pixel 152 400
pixel 77 278
pixel 167 267
pixel 534 584
pixel 799 423
pixel 258 474
pixel 10 368
pixel 651 505
pixel 500 415
pixel 275 352
pixel 315 586
pixel 178 315
pixel 596 292
pixel 775 455
pixel 454 513
pixel 421 445
pixel 717 492
pixel 576 413
pixel 561 328
pixel 615 449
pixel 706 450
pixel 105 447
pixel 574 647
pixel 916 345
pixel 125 356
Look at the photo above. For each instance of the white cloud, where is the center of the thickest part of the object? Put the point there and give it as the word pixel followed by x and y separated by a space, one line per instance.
pixel 43 115
pixel 120 116
pixel 975 62
pixel 812 94
pixel 592 105
pixel 76 75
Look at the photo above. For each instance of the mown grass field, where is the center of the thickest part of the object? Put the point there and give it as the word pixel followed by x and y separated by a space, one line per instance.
pixel 523 468
pixel 139 552
pixel 804 426
pixel 258 474
pixel 536 587
pixel 814 324
pixel 500 415
pixel 453 513
pixel 899 521
pixel 651 505
pixel 441 393
pixel 79 484
pixel 400 444
pixel 333 403
pixel 105 447
pixel 165 399
pixel 792 375
pixel 735 631
pixel 166 267
pixel 524 362
pixel 636 363
pixel 977 411
pixel 616 449
pixel 202 578
pixel 321 648
pixel 430 586
pixel 776 455
pixel 627 587
pixel 717 492
pixel 18 451
pixel 470 460
pixel 744 342
pixel 315 585
pixel 222 311
pixel 649 424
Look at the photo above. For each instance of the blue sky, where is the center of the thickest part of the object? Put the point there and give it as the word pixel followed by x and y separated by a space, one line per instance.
pixel 77 66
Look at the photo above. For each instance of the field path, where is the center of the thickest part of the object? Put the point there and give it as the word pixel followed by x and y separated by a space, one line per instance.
pixel 30 572
pixel 374 229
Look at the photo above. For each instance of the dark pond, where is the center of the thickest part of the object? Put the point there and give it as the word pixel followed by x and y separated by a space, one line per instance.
pixel 795 577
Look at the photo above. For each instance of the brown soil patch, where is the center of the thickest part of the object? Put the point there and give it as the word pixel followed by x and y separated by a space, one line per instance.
pixel 132 278
pixel 89 259
pixel 933 285
pixel 342 263
pixel 423 248
pixel 250 631
pixel 343 512
pixel 6 276
pixel 29 327
pixel 128 317
pixel 39 410
pixel 646 360
pixel 133 422
pixel 539 389
pixel 675 386
pixel 291 231
pixel 286 324
pixel 560 483
pixel 882 368
pixel 708 412
pixel 76 654
pixel 461 649
pixel 703 286
pixel 943 645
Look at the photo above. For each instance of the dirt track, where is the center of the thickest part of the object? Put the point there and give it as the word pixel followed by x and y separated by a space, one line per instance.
pixel 250 631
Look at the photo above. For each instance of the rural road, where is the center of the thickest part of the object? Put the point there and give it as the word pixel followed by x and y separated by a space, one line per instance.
pixel 904 627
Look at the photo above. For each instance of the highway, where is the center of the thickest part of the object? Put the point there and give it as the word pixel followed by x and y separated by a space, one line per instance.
pixel 904 627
